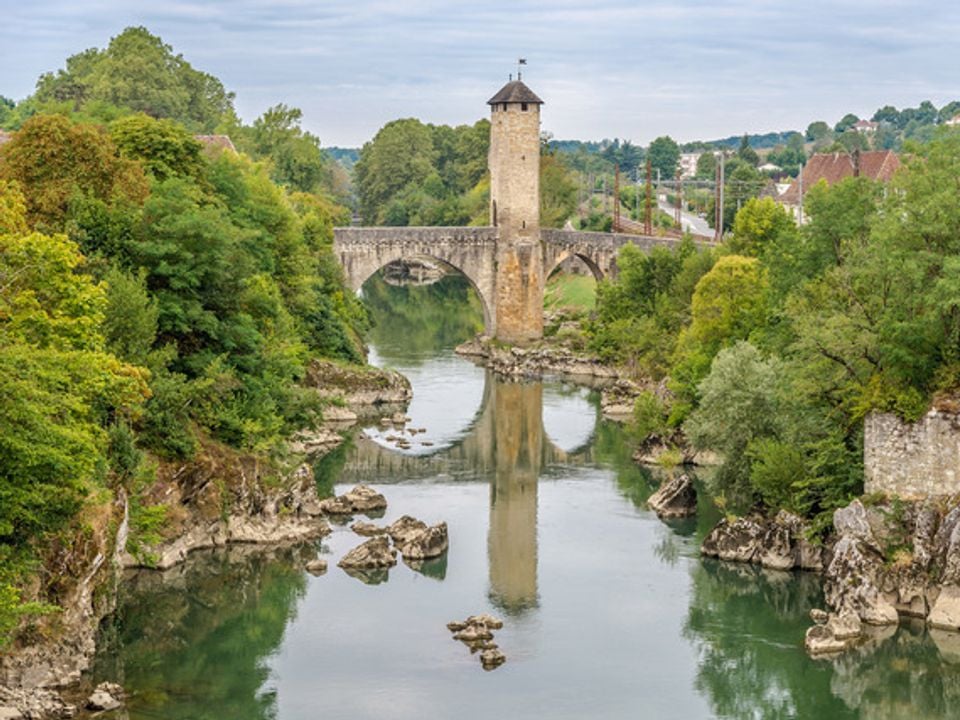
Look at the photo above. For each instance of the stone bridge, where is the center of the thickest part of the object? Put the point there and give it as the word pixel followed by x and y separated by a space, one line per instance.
pixel 472 251
pixel 509 261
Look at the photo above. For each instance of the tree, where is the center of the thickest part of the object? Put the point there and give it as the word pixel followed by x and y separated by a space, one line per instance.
pixel 817 131
pixel 165 148
pixel 887 114
pixel 56 161
pixel 739 405
pixel 947 112
pixel 139 72
pixel 664 154
pixel 706 166
pixel 760 225
pixel 296 158
pixel 747 153
pixel 558 192
pixel 845 123
pixel 400 156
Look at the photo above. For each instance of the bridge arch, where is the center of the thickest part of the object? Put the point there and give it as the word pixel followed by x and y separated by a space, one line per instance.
pixel 563 255
pixel 469 251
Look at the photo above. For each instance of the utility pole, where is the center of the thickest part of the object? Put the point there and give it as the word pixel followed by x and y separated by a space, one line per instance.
pixel 638 192
pixel 720 182
pixel 679 199
pixel 616 200
pixel 647 211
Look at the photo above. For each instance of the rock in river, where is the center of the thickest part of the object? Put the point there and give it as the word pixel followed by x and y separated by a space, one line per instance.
pixel 361 499
pixel 367 529
pixel 406 529
pixel 374 553
pixel 675 498
pixel 429 543
pixel 316 567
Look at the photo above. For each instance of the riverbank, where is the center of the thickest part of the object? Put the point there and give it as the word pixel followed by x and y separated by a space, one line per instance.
pixel 884 559
pixel 219 497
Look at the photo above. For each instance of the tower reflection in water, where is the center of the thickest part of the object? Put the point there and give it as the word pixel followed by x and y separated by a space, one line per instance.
pixel 512 538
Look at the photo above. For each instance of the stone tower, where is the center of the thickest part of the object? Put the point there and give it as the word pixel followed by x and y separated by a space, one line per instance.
pixel 515 209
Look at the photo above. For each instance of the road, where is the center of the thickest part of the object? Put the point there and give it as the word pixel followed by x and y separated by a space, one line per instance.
pixel 694 223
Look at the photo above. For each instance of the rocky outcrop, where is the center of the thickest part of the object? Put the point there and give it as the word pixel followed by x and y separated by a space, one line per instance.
pixel 476 632
pixel 778 543
pixel 429 543
pixel 318 441
pixel 105 697
pixel 361 499
pixel 33 704
pixel 356 386
pixel 88 569
pixel 373 554
pixel 405 529
pixel 365 529
pixel 675 498
pixel 537 361
pixel 224 497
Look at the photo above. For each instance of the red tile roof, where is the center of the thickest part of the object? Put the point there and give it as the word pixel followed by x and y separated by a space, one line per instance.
pixel 877 165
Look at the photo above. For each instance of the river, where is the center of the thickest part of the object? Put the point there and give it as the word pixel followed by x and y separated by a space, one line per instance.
pixel 608 612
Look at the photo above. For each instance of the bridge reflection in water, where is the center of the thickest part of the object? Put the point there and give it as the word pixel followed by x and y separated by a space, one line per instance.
pixel 507 445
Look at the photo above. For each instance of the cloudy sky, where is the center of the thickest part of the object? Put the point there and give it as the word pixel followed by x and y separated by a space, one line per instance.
pixel 606 68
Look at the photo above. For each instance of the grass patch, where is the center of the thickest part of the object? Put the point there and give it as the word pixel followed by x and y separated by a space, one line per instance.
pixel 570 291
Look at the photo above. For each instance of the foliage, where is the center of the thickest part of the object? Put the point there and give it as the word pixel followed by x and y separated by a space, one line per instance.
pixel 56 161
pixel 139 72
pixel 664 154
pixel 164 148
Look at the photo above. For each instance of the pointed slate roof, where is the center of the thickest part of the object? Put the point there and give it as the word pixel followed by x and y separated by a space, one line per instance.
pixel 515 92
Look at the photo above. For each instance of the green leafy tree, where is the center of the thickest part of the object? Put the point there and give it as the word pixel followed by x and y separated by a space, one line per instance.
pixel 739 405
pixel 664 154
pixel 760 225
pixel 818 131
pixel 728 304
pixel 56 162
pixel 400 155
pixel 747 153
pixel 164 148
pixel 845 123
pixel 140 72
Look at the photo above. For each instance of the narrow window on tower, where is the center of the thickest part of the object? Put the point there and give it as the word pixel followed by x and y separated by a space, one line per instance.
pixel 504 107
pixel 523 107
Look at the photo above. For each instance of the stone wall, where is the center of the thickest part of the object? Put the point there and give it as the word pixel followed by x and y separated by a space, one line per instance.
pixel 912 459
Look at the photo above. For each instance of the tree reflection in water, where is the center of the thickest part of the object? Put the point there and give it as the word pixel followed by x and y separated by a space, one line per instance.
pixel 193 641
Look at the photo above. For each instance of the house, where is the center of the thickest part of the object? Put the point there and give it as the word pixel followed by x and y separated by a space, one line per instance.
pixel 879 165
pixel 954 121
pixel 688 164
pixel 865 126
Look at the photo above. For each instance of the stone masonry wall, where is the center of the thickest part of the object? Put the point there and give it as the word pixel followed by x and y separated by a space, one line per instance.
pixel 912 459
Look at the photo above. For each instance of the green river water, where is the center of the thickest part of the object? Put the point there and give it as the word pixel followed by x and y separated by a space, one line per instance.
pixel 609 612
